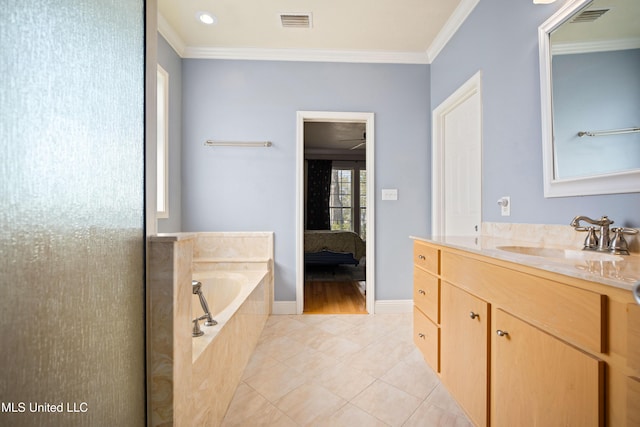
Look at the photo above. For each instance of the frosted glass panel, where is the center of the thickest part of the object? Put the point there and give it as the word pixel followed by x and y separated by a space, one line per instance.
pixel 71 191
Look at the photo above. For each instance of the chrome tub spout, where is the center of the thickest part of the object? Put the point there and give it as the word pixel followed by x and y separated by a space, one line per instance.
pixel 196 285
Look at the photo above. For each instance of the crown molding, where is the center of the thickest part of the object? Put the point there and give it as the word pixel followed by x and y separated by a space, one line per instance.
pixel 170 35
pixel 318 55
pixel 595 46
pixel 309 55
pixel 452 25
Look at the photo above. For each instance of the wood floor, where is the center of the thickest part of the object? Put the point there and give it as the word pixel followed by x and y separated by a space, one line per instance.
pixel 324 297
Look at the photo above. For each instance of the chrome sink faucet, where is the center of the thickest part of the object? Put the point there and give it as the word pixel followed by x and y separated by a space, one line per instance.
pixel 602 241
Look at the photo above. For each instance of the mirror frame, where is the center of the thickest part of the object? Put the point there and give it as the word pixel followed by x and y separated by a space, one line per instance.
pixel 614 183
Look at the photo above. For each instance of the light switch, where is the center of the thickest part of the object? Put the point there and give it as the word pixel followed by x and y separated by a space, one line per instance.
pixel 389 194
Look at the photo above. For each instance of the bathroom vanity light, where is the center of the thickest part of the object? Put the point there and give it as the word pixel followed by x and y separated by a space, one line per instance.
pixel 206 18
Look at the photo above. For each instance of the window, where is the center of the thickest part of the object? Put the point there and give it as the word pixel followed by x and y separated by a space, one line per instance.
pixel 162 180
pixel 348 198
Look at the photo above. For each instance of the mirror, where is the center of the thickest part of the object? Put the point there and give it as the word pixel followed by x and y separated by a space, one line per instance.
pixel 590 90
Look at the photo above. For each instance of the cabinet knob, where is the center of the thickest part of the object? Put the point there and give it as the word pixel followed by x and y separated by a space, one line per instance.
pixel 421 336
pixel 421 292
pixel 502 333
pixel 421 257
pixel 473 315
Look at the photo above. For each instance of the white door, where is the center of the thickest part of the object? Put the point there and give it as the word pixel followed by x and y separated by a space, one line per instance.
pixel 457 160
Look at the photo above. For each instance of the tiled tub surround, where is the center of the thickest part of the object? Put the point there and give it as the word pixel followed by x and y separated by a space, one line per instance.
pixel 192 380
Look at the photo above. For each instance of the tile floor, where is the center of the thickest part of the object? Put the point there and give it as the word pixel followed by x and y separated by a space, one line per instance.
pixel 340 370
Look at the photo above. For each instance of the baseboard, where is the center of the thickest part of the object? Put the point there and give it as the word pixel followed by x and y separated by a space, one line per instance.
pixel 381 307
pixel 284 307
pixel 393 306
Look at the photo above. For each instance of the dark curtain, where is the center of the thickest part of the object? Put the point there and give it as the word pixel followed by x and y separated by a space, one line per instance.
pixel 318 188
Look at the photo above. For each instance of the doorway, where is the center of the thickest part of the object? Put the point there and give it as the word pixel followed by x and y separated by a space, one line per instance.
pixel 349 150
pixel 457 162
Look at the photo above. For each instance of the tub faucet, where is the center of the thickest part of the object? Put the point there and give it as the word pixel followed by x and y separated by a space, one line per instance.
pixel 593 242
pixel 196 285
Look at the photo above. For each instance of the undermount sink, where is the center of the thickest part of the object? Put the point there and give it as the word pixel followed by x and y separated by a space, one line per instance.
pixel 562 254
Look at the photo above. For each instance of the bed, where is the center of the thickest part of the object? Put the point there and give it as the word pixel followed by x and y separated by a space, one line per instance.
pixel 329 247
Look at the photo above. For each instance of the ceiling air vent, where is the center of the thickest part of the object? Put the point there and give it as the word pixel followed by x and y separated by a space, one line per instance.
pixel 589 16
pixel 295 20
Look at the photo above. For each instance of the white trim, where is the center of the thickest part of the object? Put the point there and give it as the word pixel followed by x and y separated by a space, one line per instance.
pixel 624 182
pixel 310 55
pixel 170 35
pixel 162 165
pixel 455 21
pixel 331 116
pixel 284 307
pixel 464 92
pixel 595 46
pixel 394 306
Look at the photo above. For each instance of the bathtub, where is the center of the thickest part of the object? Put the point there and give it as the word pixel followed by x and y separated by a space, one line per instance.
pixel 238 301
pixel 228 294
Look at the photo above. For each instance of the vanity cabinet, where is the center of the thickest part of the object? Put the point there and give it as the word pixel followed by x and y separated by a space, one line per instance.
pixel 517 345
pixel 426 299
pixel 464 350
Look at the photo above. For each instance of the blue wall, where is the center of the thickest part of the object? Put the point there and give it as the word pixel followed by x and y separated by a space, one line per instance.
pixel 500 38
pixel 254 189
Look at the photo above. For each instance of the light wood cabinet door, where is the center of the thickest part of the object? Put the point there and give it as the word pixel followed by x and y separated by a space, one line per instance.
pixel 539 380
pixel 464 350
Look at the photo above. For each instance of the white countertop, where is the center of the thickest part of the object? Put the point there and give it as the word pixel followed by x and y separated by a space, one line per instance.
pixel 621 271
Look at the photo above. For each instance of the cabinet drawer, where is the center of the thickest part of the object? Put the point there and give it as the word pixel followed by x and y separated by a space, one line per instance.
pixel 426 294
pixel 426 257
pixel 426 336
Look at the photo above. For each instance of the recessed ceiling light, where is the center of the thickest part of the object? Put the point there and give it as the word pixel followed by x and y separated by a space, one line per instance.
pixel 206 18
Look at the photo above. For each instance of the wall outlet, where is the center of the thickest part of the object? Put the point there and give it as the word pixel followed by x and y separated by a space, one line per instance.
pixel 505 205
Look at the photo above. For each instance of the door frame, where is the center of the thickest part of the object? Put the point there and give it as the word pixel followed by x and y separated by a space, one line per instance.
pixel 471 87
pixel 335 116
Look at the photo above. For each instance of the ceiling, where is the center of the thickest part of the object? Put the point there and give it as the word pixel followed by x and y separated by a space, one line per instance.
pixel 399 31
pixel 335 136
pixel 618 26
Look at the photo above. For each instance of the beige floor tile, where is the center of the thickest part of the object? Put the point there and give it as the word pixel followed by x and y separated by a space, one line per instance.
pixel 431 415
pixel 341 370
pixel 387 403
pixel 310 362
pixel 339 347
pixel 259 362
pixel 418 381
pixel 350 416
pixel 309 403
pixel 311 336
pixel 275 382
pixel 280 348
pixel 441 398
pixel 335 325
pixel 343 380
